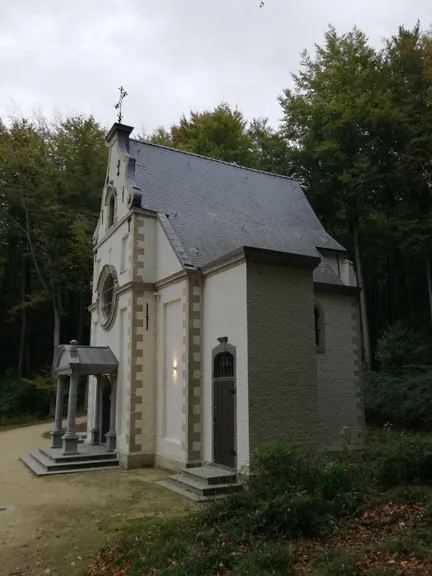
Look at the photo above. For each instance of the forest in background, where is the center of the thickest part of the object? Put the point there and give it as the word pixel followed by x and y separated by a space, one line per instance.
pixel 355 130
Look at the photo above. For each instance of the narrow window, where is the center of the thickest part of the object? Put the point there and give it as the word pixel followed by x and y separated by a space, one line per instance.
pixel 111 211
pixel 317 325
pixel 319 328
pixel 124 254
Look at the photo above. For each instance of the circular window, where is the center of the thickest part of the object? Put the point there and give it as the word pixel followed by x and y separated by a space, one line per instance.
pixel 107 296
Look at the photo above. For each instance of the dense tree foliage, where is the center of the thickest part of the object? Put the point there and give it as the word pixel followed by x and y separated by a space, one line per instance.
pixel 225 134
pixel 51 178
pixel 356 131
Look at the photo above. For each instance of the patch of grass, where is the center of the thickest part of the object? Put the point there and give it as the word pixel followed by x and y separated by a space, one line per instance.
pixel 186 550
pixel 380 571
pixel 410 495
pixel 336 562
pixel 405 545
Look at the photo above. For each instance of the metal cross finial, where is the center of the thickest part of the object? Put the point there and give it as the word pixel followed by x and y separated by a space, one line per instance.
pixel 118 106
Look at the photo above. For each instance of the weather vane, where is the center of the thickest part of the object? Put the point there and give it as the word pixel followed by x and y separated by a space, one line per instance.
pixel 118 106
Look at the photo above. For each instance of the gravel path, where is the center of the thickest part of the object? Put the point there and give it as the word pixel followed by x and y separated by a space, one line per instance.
pixel 56 523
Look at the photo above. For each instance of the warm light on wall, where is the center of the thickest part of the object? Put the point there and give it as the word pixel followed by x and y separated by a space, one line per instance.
pixel 175 365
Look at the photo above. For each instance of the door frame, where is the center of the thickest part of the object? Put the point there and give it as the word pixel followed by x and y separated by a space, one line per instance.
pixel 224 346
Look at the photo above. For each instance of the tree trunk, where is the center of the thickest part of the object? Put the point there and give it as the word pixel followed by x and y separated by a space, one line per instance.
pixel 22 343
pixel 363 306
pixel 56 338
pixel 80 323
pixel 56 334
pixel 429 281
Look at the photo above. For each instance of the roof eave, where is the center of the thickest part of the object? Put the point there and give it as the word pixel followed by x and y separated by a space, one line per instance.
pixel 337 288
pixel 276 257
pixel 266 256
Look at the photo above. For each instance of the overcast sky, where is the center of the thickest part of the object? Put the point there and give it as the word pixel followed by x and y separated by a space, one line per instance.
pixel 170 55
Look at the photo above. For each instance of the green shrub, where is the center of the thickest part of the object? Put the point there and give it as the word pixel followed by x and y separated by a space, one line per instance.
pixel 399 346
pixel 404 401
pixel 20 399
pixel 295 494
pixel 402 459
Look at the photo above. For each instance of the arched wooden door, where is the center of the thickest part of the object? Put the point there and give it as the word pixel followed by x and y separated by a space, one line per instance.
pixel 224 407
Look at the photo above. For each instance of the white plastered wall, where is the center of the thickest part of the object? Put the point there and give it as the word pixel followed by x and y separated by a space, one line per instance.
pixel 118 339
pixel 171 385
pixel 115 248
pixel 225 314
pixel 119 183
pixel 167 262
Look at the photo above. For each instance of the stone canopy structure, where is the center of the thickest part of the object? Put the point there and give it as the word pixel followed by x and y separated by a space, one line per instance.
pixel 73 361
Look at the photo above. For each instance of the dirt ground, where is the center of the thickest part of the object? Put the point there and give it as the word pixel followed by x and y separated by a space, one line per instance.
pixel 56 523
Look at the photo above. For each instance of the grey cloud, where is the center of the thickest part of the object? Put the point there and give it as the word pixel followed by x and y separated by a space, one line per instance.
pixel 171 55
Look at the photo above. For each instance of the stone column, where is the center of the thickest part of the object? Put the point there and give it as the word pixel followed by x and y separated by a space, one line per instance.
pixel 96 431
pixel 70 439
pixel 57 432
pixel 111 436
pixel 102 385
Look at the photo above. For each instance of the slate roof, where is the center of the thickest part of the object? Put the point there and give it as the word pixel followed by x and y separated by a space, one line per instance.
pixel 214 208
pixel 84 360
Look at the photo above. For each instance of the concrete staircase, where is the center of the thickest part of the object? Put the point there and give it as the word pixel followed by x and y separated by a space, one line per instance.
pixel 203 483
pixel 49 461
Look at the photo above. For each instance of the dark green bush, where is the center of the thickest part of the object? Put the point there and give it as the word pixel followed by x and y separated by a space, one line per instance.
pixel 401 459
pixel 295 494
pixel 21 399
pixel 403 400
pixel 400 346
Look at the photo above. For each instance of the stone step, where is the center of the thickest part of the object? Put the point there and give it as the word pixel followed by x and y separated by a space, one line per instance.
pixel 86 453
pixel 211 475
pixel 66 464
pixel 178 489
pixel 42 466
pixel 199 487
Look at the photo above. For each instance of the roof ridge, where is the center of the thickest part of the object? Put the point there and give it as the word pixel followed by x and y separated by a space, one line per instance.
pixel 146 143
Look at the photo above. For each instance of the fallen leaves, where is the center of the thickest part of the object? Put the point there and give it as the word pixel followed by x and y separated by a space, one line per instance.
pixel 364 541
pixel 365 536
